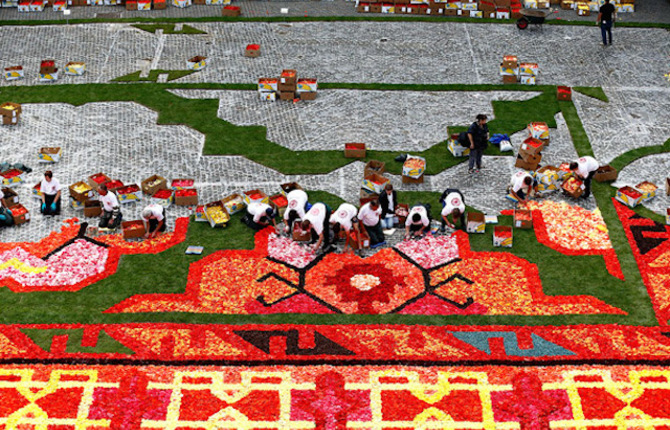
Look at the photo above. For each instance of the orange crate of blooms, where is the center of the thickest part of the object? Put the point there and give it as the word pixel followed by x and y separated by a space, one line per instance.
pixel 502 236
pixel 523 219
pixel 573 187
pixel 629 196
pixel 133 229
pixel 354 150
pixel 648 190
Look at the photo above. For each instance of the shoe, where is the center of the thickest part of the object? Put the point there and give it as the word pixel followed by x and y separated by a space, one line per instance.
pixel 471 171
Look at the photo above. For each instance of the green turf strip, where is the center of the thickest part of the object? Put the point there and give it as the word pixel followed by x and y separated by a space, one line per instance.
pixel 168 29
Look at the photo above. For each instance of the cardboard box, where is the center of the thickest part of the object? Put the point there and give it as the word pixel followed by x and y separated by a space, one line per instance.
pixel 287 95
pixel 10 198
pixel 299 235
pixel 354 150
pixel 10 109
pixel 49 77
pixel 114 185
pixel 133 229
pixel 530 157
pixel 13 73
pixel 352 239
pixel 37 6
pixel 503 3
pixel 286 87
pixel 163 197
pixel 255 196
pixel 529 69
pixel 527 80
pixel 12 177
pixel 160 4
pixel 196 63
pixel 475 222
pixel 412 180
pixel 132 4
pixel 182 183
pixel 629 196
pixel 24 6
pixel 186 197
pixel 152 184
pixel 279 202
pixel 547 179
pixel 525 165
pixel 289 186
pixel 98 179
pixel 567 4
pixel 502 13
pixel 20 214
pixel 365 196
pixel 199 214
pixel 563 93
pixel 509 71
pixel 268 97
pixel 583 10
pixel 414 166
pixel 375 8
pixel 288 76
pixel 531 147
pixel 307 85
pixel 252 51
pixel 523 219
pixel 216 214
pixel 606 173
pixel 50 154
pixel 451 12
pixel 129 194
pixel 625 8
pixel 36 191
pixel 502 236
pixel 77 205
pixel 573 187
pixel 92 208
pixel 268 84
pixel 509 79
pixel 311 95
pixel 648 190
pixel 456 149
pixel 538 130
pixel 75 68
pixel 374 166
pixel 476 14
pixel 363 8
pixel 234 203
pixel 374 183
pixel 81 191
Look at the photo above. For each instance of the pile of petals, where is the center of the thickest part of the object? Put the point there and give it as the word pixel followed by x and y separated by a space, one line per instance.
pixel 286 250
pixel 573 227
pixel 430 251
pixel 70 265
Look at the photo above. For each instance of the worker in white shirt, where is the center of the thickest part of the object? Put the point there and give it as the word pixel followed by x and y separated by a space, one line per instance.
pixel 585 168
pixel 417 223
pixel 370 215
pixel 50 188
pixel 316 221
pixel 259 216
pixel 297 201
pixel 522 186
pixel 153 218
pixel 111 216
pixel 453 205
pixel 345 217
pixel 6 218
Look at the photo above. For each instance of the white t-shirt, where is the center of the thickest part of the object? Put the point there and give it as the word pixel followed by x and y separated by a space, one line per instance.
pixel 296 201
pixel 156 212
pixel 390 205
pixel 258 210
pixel 517 181
pixel 369 216
pixel 50 187
pixel 586 165
pixel 421 210
pixel 344 215
pixel 451 202
pixel 109 201
pixel 316 217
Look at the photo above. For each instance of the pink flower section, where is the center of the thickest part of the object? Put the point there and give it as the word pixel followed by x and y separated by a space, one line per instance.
pixel 430 251
pixel 290 252
pixel 69 266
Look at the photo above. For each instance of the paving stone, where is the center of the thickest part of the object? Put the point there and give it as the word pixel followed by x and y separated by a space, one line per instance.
pixel 653 168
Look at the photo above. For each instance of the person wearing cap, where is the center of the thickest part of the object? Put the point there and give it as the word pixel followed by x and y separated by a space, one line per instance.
pixel 388 200
pixel 370 215
pixel 297 203
pixel 585 168
pixel 521 187
pixel 111 215
pixel 453 205
pixel 153 218
pixel 345 217
pixel 50 188
pixel 417 223
pixel 478 135
pixel 259 216
pixel 316 221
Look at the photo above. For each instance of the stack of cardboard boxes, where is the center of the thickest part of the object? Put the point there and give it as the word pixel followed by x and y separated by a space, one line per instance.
pixel 287 87
pixel 10 112
pixel 530 156
pixel 497 9
pixel 11 201
pixel 512 71
pixel 586 7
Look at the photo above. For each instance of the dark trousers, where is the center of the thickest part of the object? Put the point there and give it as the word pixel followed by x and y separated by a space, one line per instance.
pixel 462 217
pixel 153 223
pixel 48 199
pixel 249 221
pixel 606 30
pixel 107 222
pixel 326 229
pixel 376 233
pixel 475 158
pixel 587 184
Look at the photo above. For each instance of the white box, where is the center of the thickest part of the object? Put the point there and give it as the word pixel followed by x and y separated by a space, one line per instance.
pixel 456 149
pixel 476 14
pixel 268 96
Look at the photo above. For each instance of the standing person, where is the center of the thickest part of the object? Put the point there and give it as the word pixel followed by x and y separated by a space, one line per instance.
pixel 388 201
pixel 345 217
pixel 316 221
pixel 111 215
pixel 153 218
pixel 585 168
pixel 50 189
pixel 370 215
pixel 453 204
pixel 297 202
pixel 521 187
pixel 606 17
pixel 478 135
pixel 417 223
pixel 259 216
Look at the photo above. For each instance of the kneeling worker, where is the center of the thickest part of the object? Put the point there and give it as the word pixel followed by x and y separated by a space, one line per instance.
pixel 316 221
pixel 259 216
pixel 111 215
pixel 522 186
pixel 345 217
pixel 453 204
pixel 585 168
pixel 153 218
pixel 297 202
pixel 417 223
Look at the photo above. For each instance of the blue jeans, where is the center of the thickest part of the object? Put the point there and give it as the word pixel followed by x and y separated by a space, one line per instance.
pixel 387 222
pixel 606 30
pixel 475 158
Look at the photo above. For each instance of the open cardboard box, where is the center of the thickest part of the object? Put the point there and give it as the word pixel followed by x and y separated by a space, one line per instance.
pixel 186 197
pixel 475 222
pixel 354 150
pixel 606 173
pixel 152 184
pixel 133 229
pixel 523 219
pixel 503 236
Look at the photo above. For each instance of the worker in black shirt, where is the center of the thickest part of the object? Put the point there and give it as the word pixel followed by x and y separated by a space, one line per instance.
pixel 478 135
pixel 606 18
